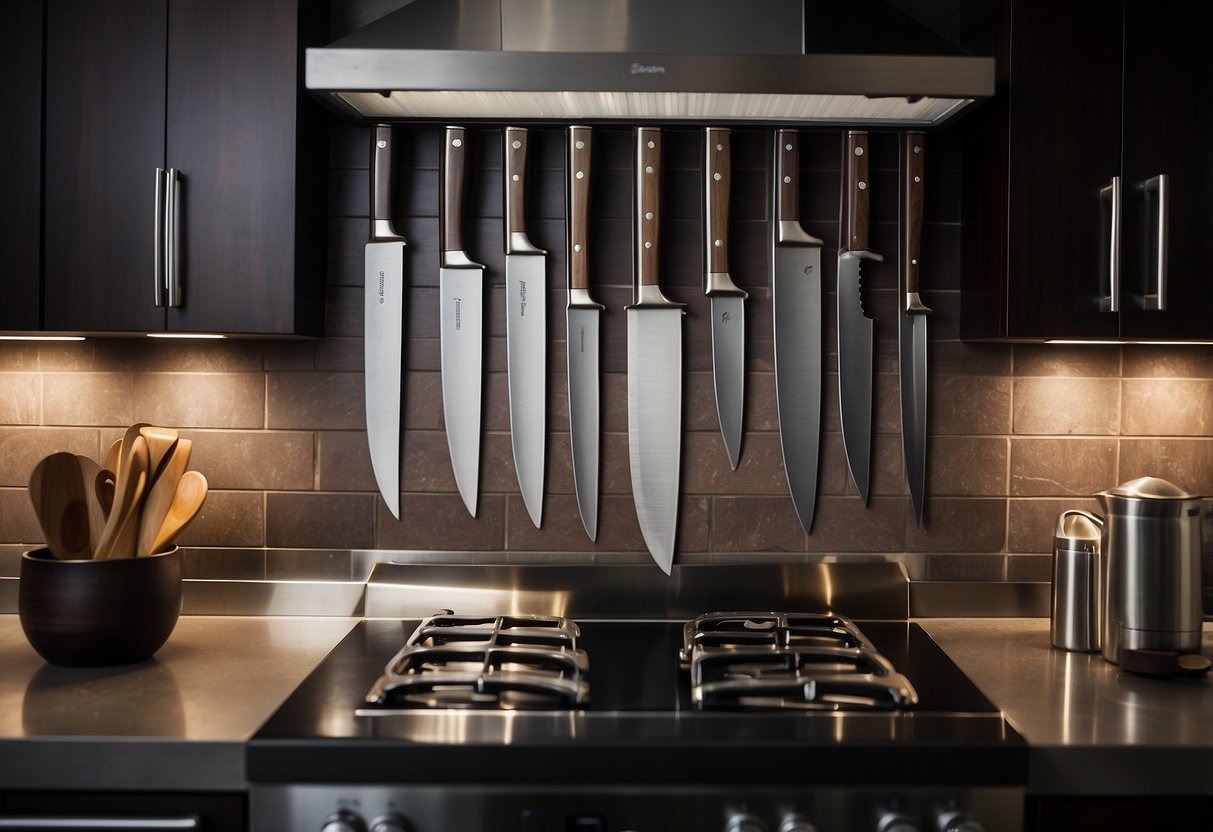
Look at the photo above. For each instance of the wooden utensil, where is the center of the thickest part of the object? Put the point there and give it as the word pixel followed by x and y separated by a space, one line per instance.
pixel 57 493
pixel 160 496
pixel 191 491
pixel 97 514
pixel 160 443
pixel 104 486
pixel 122 527
pixel 113 456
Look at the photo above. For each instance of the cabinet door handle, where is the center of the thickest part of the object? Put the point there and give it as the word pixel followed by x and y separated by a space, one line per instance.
pixel 1110 193
pixel 172 239
pixel 55 824
pixel 1157 300
pixel 159 237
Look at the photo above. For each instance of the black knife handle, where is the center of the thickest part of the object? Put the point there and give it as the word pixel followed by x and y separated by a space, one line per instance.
pixel 383 168
pixel 855 191
pixel 648 204
pixel 913 153
pixel 516 155
pixel 580 155
pixel 787 176
pixel 717 169
pixel 452 185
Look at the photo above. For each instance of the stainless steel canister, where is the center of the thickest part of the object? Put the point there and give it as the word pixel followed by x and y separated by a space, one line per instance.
pixel 1076 620
pixel 1151 568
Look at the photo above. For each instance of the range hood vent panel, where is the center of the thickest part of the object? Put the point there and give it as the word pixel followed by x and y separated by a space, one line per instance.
pixel 701 61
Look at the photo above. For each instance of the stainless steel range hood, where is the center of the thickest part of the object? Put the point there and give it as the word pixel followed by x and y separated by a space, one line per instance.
pixel 702 61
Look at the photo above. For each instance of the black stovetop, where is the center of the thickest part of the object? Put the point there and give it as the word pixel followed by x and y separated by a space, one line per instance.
pixel 639 725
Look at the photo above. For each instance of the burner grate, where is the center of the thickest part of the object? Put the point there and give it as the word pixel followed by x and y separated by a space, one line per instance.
pixel 745 660
pixel 503 662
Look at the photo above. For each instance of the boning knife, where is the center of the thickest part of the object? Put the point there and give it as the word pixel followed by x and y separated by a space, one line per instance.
pixel 912 321
pixel 854 322
pixel 654 368
pixel 384 323
pixel 728 300
pixel 796 300
pixel 583 339
pixel 526 330
pixel 461 305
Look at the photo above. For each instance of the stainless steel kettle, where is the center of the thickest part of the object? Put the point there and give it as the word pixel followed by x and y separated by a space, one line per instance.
pixel 1151 571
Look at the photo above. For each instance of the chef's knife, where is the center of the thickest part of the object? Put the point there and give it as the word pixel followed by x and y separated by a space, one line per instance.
pixel 384 324
pixel 525 331
pixel 583 327
pixel 461 305
pixel 728 301
pixel 654 368
pixel 912 321
pixel 854 322
pixel 796 299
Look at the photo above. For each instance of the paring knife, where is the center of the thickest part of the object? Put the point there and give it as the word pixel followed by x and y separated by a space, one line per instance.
pixel 526 330
pixel 583 338
pixel 854 322
pixel 654 368
pixel 796 299
pixel 912 321
pixel 384 323
pixel 461 305
pixel 728 301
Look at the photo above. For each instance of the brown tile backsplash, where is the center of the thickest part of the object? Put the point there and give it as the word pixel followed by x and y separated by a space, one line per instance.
pixel 1016 433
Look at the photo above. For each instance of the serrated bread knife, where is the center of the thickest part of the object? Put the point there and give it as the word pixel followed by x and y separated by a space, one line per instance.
pixel 525 331
pixel 654 367
pixel 384 324
pixel 461 305
pixel 854 322
pixel 796 300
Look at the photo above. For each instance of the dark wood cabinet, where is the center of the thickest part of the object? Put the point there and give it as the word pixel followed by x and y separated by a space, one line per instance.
pixel 212 91
pixel 1087 98
pixel 20 166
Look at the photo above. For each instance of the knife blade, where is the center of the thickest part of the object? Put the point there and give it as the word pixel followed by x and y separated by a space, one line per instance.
pixel 383 307
pixel 796 300
pixel 854 322
pixel 461 305
pixel 654 367
pixel 583 315
pixel 912 320
pixel 525 330
pixel 728 300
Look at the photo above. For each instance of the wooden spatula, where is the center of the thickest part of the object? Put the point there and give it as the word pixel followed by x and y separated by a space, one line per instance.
pixel 89 470
pixel 160 496
pixel 160 443
pixel 122 528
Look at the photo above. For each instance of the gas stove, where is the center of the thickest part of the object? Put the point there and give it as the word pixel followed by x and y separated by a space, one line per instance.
pixel 542 699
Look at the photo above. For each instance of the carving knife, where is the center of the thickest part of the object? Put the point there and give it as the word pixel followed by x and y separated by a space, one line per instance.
pixel 461 305
pixel 525 330
pixel 796 299
pixel 384 323
pixel 912 321
pixel 728 301
pixel 654 368
pixel 854 322
pixel 583 339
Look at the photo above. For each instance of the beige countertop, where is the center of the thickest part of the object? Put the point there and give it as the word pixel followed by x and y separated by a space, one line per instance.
pixel 1091 727
pixel 178 721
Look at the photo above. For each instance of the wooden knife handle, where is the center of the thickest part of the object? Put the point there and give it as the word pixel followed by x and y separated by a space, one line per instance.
pixel 787 175
pixel 648 204
pixel 516 147
pixel 717 170
pixel 580 155
pixel 855 191
pixel 383 168
pixel 452 186
pixel 912 155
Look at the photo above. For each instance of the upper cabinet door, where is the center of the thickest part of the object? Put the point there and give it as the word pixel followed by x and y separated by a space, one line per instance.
pixel 1167 260
pixel 105 87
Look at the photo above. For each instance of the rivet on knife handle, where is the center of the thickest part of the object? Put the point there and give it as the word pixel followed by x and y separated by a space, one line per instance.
pixel 454 189
pixel 855 193
pixel 718 169
pixel 912 166
pixel 516 147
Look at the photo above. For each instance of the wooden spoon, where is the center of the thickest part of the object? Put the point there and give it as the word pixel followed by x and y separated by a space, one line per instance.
pixel 191 491
pixel 160 443
pixel 160 496
pixel 122 527
pixel 113 456
pixel 57 492
pixel 97 514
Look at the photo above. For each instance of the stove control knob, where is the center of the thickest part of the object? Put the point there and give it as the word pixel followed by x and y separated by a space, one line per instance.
pixel 796 823
pixel 390 823
pixel 896 822
pixel 958 822
pixel 741 822
pixel 343 821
